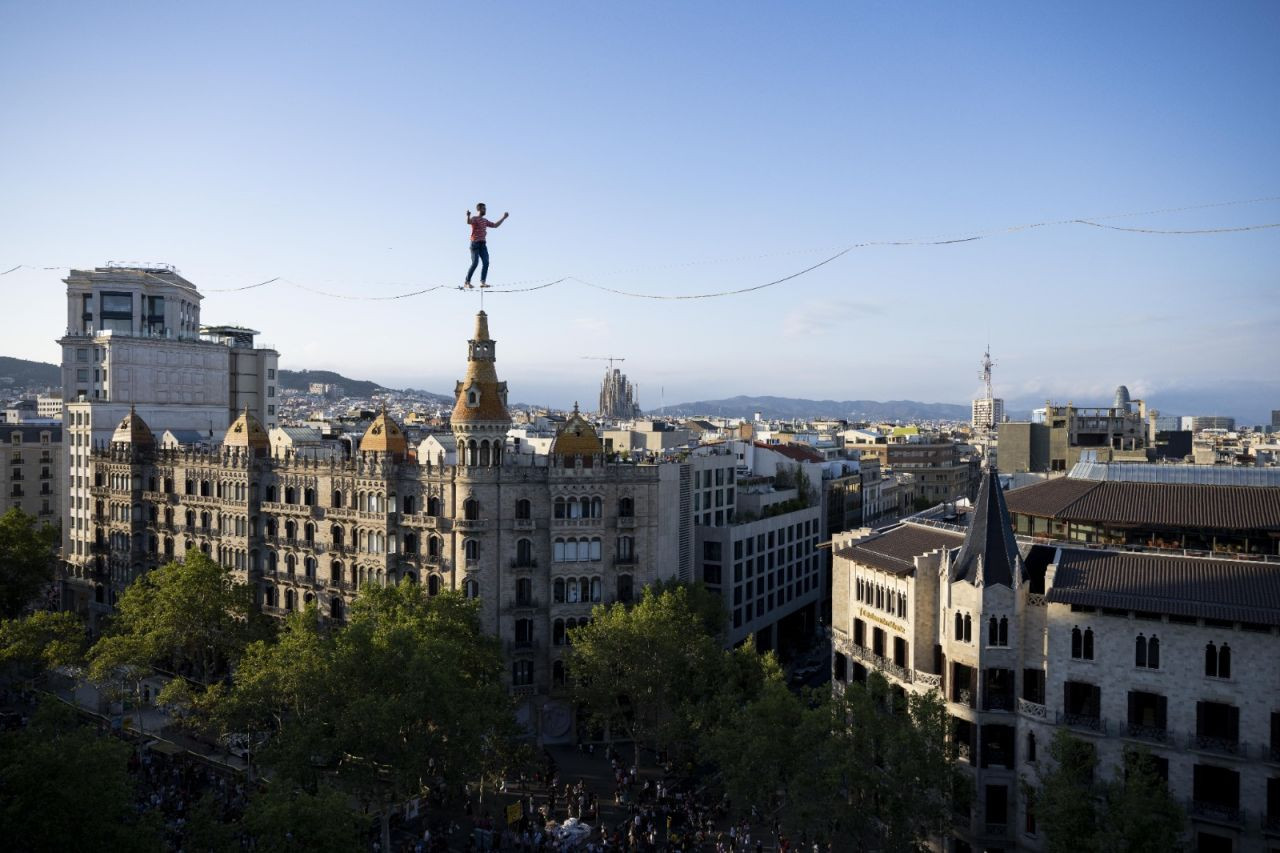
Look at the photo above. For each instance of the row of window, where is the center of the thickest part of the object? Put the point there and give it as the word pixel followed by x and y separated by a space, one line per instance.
pixel 882 598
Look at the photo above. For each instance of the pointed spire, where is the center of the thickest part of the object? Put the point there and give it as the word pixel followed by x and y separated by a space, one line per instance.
pixel 482 327
pixel 989 554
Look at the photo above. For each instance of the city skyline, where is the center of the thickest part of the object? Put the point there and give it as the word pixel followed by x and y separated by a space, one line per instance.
pixel 629 146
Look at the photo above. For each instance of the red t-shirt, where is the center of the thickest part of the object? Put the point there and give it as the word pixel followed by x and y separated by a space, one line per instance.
pixel 478 226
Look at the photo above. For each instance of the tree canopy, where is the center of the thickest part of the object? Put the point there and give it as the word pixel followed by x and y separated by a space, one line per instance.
pixel 189 617
pixel 26 560
pixel 40 641
pixel 1078 809
pixel 407 695
pixel 64 787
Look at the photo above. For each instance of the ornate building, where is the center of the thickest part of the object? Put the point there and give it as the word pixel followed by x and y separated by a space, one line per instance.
pixel 1174 654
pixel 537 539
pixel 618 396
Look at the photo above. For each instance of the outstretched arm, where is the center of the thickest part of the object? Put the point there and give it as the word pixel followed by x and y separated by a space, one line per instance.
pixel 468 217
pixel 502 220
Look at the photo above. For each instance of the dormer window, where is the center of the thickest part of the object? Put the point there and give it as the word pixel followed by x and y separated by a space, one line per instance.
pixel 472 398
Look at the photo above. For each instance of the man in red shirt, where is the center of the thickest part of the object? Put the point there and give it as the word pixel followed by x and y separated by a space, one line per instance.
pixel 479 248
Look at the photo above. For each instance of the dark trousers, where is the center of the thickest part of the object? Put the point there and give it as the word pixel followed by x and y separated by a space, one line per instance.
pixel 479 252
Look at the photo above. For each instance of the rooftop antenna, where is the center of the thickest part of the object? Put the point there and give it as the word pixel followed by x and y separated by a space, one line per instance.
pixel 985 376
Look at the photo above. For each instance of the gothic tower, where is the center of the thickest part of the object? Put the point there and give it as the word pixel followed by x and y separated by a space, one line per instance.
pixel 480 419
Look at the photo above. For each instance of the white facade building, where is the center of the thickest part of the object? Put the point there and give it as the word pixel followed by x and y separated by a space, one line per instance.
pixel 1177 655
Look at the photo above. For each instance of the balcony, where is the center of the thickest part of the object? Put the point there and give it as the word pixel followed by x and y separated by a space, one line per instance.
pixel 1032 709
pixel 1216 812
pixel 1085 722
pixel 1151 734
pixel 522 646
pixel 624 560
pixel 964 696
pixel 524 563
pixel 928 679
pixel 519 604
pixel 1217 745
pixel 524 524
pixel 626 522
pixel 470 525
pixel 563 523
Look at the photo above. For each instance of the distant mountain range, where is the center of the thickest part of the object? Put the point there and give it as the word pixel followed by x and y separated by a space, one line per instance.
pixel 30 374
pixel 300 380
pixel 784 408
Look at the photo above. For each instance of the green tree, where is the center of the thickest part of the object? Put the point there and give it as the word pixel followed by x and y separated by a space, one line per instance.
pixel 281 820
pixel 407 695
pixel 1141 815
pixel 26 560
pixel 1068 799
pixel 29 645
pixel 645 671
pixel 64 787
pixel 188 617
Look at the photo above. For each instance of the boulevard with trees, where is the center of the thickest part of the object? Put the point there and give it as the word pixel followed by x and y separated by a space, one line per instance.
pixel 406 698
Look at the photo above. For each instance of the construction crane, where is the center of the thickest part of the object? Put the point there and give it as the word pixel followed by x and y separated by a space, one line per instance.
pixel 609 358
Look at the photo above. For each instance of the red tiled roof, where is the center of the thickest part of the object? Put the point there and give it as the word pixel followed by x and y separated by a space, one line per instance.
pixel 1234 590
pixel 895 550
pixel 1151 504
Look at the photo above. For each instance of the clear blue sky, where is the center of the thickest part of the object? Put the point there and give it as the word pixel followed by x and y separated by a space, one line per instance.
pixel 669 148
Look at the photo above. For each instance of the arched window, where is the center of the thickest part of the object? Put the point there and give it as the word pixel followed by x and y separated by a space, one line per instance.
pixel 968 628
pixel 408 504
pixel 626 507
pixel 310 533
pixel 595 589
pixel 290 563
pixel 335 535
pixel 337 499
pixel 290 495
pixel 309 567
pixel 1088 644
pixel 959 627
pixel 559 508
pixel 1140 651
pixel 335 607
pixel 625 589
pixel 470 588
pixel 433 506
pixel 584 507
pixel 557 632
pixel 309 497
pixel 1031 746
pixel 572 590
pixel 1224 661
pixel 524 591
pixel 1153 653
pixel 1004 631
pixel 288 599
pixel 584 589
pixel 597 508
pixel 335 571
pixel 471 509
pixel 1077 642
pixel 557 590
pixel 557 673
pixel 273 561
pixel 433 584
pixel 524 552
pixel 484 453
pixel 308 598
pixel 290 530
pixel 596 549
pixel 471 549
pixel 433 546
pixel 410 543
pixel 993 632
pixel 524 509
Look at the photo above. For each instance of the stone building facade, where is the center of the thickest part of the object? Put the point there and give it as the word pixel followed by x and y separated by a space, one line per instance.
pixel 1174 654
pixel 31 471
pixel 539 540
